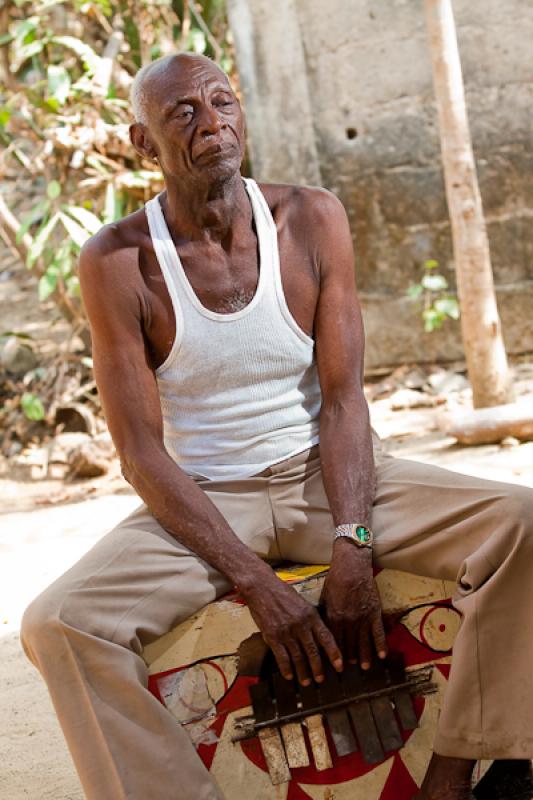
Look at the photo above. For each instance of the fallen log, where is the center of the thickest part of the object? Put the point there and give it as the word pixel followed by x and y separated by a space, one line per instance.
pixel 491 425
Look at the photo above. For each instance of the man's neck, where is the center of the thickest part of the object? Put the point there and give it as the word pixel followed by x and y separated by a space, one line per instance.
pixel 205 211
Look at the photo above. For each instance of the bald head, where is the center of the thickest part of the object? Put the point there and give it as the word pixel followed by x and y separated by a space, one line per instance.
pixel 140 89
pixel 188 119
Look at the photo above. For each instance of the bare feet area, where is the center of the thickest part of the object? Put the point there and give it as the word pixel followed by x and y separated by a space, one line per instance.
pixel 47 524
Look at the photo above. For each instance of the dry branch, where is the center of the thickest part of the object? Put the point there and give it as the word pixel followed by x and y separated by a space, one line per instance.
pixel 492 425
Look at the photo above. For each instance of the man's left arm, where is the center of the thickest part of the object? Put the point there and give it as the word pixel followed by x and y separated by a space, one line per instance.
pixel 350 594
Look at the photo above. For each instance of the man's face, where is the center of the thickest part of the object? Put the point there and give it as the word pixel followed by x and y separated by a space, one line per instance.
pixel 195 122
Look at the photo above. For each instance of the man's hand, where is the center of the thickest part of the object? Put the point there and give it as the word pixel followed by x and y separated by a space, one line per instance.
pixel 292 628
pixel 353 607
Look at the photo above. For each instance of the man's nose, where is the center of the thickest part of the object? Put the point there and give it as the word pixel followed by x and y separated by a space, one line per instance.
pixel 208 121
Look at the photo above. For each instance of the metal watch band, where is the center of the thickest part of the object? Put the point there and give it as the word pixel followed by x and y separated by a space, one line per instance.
pixel 356 532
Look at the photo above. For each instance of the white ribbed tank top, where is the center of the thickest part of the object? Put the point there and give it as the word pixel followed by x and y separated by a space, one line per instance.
pixel 238 391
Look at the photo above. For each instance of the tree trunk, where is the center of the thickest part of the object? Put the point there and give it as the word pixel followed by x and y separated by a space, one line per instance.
pixel 482 338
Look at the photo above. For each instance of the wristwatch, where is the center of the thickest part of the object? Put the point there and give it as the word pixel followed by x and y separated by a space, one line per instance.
pixel 358 534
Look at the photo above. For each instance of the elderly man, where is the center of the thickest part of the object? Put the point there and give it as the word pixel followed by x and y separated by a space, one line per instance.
pixel 228 350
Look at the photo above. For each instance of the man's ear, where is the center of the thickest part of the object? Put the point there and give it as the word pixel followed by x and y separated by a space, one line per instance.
pixel 141 141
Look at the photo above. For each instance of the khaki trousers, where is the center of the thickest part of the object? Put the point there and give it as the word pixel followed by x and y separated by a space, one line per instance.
pixel 86 632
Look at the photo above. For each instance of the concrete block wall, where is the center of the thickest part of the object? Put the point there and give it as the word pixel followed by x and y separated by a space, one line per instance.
pixel 342 96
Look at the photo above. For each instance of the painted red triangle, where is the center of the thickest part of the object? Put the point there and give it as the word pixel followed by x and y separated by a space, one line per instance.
pixel 400 785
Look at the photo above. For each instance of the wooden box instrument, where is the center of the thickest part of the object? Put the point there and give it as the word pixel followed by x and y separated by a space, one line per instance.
pixel 363 711
pixel 353 736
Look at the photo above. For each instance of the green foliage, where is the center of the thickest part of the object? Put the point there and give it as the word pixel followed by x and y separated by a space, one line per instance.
pixel 64 118
pixel 40 240
pixel 438 305
pixel 58 85
pixel 32 406
pixel 53 190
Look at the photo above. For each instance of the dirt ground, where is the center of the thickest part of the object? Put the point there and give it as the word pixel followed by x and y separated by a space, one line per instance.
pixel 45 526
pixel 42 541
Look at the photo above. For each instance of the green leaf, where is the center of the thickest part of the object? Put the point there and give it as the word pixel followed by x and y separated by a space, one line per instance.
pixel 132 37
pixel 414 291
pixel 53 189
pixel 53 104
pixel 434 283
pixel 197 41
pixel 32 216
pixel 432 319
pixel 48 283
pixel 18 334
pixel 63 261
pixel 73 286
pixel 112 206
pixel 86 218
pixel 87 7
pixel 78 234
pixel 94 162
pixel 448 306
pixel 5 38
pixel 5 116
pixel 90 59
pixel 32 406
pixel 40 240
pixel 58 83
pixel 109 204
pixel 226 62
pixel 83 84
pixel 25 52
pixel 431 264
pixel 22 29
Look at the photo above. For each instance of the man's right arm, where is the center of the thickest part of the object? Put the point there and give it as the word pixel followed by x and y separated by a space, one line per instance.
pixel 113 297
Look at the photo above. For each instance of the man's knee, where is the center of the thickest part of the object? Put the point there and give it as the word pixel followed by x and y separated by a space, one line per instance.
pixel 518 506
pixel 514 523
pixel 52 616
pixel 41 624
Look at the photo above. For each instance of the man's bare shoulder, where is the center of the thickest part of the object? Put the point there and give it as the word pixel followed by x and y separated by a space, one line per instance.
pixel 303 205
pixel 109 265
pixel 114 241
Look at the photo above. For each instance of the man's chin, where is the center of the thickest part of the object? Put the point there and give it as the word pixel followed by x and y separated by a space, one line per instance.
pixel 217 170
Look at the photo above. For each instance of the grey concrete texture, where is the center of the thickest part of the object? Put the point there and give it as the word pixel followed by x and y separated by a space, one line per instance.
pixel 343 96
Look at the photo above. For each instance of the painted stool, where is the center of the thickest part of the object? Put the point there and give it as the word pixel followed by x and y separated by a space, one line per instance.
pixel 194 672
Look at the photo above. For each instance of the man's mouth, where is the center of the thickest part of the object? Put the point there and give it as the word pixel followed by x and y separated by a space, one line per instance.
pixel 212 151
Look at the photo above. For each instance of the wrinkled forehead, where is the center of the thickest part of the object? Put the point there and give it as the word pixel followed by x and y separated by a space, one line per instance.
pixel 183 76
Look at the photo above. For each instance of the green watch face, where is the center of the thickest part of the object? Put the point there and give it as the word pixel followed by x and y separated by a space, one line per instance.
pixel 363 534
